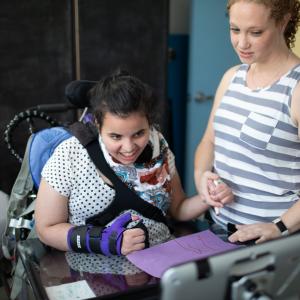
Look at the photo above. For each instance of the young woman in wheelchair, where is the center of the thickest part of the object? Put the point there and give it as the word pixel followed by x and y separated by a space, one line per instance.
pixel 75 197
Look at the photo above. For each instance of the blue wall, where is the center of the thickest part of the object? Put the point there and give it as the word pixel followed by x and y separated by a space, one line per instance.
pixel 177 93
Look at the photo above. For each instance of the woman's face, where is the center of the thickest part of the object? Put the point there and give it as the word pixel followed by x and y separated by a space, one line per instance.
pixel 125 137
pixel 254 35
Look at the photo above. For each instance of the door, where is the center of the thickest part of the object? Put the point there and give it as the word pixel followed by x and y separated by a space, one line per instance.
pixel 210 55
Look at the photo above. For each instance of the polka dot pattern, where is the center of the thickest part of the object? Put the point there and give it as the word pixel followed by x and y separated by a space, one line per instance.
pixel 71 173
pixel 97 263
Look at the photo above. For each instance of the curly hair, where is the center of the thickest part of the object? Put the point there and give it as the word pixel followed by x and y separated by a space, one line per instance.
pixel 279 9
pixel 122 94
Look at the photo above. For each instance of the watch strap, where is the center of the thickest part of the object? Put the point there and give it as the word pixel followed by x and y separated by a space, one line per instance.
pixel 281 226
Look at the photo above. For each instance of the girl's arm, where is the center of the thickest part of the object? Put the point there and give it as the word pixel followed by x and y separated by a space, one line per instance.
pixel 51 217
pixel 183 208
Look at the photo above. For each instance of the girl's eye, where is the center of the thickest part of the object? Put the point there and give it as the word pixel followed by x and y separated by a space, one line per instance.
pixel 139 133
pixel 115 137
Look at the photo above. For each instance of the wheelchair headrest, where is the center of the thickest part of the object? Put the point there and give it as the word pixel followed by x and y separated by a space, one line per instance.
pixel 77 92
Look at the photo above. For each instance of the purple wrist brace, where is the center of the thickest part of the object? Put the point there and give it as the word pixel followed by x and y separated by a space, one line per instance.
pixel 94 239
pixel 112 236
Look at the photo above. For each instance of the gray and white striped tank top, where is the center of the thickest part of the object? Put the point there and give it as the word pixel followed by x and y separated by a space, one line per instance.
pixel 257 149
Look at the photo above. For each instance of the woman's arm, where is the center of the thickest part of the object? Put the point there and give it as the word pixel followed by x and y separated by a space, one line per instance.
pixel 261 232
pixel 51 217
pixel 291 218
pixel 204 155
pixel 183 208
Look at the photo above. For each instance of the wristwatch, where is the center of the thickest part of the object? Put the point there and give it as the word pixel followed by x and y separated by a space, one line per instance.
pixel 280 225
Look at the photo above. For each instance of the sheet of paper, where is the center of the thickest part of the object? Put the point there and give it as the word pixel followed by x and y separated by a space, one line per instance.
pixel 157 259
pixel 70 291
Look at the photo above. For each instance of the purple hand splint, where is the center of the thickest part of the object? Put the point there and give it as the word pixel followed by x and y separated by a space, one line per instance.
pixel 112 236
pixel 102 240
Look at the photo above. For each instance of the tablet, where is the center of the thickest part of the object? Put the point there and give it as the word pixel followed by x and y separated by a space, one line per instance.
pixel 265 271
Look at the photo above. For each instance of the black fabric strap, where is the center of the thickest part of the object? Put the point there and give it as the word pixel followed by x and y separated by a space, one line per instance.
pixel 112 243
pixel 125 198
pixel 78 238
pixel 95 235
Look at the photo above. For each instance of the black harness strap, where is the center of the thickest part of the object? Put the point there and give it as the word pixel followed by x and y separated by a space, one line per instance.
pixel 125 198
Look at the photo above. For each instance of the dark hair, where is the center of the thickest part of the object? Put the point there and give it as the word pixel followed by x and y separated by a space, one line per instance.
pixel 122 94
pixel 279 9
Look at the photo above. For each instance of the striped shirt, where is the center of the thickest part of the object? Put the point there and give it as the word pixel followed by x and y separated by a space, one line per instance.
pixel 257 149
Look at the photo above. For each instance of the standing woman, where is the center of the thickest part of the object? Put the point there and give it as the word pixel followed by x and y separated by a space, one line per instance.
pixel 252 141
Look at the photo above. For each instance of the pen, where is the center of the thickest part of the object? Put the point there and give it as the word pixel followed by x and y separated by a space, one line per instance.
pixel 217 182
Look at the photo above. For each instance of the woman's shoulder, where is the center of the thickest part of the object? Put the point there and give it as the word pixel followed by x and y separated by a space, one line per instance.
pixel 233 70
pixel 228 77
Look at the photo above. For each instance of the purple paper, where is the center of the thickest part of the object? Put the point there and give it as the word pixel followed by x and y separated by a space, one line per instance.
pixel 157 259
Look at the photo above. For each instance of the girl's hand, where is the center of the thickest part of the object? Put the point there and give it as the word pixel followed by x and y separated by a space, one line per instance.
pixel 260 232
pixel 133 240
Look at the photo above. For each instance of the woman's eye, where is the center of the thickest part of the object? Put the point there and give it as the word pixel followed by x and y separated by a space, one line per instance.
pixel 256 33
pixel 234 30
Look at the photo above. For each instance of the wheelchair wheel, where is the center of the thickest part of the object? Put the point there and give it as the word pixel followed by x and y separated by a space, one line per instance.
pixel 34 120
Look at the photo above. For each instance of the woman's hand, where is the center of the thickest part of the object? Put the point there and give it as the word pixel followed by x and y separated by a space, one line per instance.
pixel 212 194
pixel 133 240
pixel 259 232
pixel 220 192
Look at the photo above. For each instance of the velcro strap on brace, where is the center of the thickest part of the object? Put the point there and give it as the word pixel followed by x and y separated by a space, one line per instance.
pixel 78 238
pixel 95 237
pixel 102 240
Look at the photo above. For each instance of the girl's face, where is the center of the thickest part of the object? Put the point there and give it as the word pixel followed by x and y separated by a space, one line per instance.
pixel 254 35
pixel 125 138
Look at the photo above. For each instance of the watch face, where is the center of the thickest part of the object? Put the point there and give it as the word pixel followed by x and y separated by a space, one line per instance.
pixel 281 227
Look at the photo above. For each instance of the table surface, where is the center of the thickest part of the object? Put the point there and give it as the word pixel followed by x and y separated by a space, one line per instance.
pixel 106 277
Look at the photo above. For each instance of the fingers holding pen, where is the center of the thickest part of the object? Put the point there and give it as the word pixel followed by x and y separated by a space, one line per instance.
pixel 220 191
pixel 207 191
pixel 214 191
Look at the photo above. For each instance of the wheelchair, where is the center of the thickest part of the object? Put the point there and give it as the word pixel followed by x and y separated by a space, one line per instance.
pixel 45 133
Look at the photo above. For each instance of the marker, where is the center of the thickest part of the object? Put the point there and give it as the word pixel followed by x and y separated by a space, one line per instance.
pixel 217 182
pixel 217 210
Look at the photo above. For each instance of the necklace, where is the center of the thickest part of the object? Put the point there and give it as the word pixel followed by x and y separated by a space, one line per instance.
pixel 266 80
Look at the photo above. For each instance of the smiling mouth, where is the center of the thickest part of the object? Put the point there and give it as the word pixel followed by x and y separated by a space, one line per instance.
pixel 128 156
